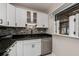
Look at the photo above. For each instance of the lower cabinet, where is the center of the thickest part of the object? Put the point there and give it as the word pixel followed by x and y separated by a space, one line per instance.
pixel 19 48
pixel 32 49
pixel 26 48
pixel 12 50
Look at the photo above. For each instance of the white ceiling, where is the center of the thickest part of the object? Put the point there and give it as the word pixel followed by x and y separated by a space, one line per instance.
pixel 44 7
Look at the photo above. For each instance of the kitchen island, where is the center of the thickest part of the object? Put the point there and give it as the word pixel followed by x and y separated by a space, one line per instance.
pixel 10 41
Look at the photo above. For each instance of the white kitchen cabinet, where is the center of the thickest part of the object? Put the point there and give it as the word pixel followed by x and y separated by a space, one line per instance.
pixel 32 47
pixel 19 48
pixel 25 48
pixel 20 17
pixel 3 14
pixel 13 50
pixel 72 25
pixel 77 24
pixel 42 20
pixel 36 49
pixel 0 12
pixel 11 15
pixel 45 20
pixel 57 26
pixel 31 17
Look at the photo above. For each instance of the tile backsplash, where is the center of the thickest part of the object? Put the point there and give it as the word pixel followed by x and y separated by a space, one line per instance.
pixel 12 30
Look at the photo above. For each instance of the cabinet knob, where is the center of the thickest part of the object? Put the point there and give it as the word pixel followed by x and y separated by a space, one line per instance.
pixel 15 24
pixel 7 22
pixel 33 45
pixel 74 20
pixel 43 25
pixel 74 33
pixel 1 21
pixel 8 50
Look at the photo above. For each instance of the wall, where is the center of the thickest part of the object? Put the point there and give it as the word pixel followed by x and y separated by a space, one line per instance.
pixel 52 17
pixel 55 6
pixel 50 24
pixel 65 46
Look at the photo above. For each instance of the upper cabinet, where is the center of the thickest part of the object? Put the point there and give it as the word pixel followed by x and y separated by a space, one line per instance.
pixel 17 17
pixel 31 17
pixel 34 17
pixel 28 17
pixel 11 15
pixel 42 20
pixel 38 18
pixel 20 17
pixel 3 13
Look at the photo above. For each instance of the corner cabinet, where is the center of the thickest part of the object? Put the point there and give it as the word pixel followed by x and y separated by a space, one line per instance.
pixel 3 14
pixel 20 17
pixel 42 20
pixel 11 15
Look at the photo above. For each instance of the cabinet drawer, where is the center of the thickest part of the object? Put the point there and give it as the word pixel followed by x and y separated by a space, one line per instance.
pixel 32 41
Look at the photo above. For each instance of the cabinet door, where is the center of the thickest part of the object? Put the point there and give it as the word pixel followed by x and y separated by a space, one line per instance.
pixel 45 20
pixel 29 16
pixel 32 48
pixel 42 20
pixel 19 48
pixel 10 15
pixel 34 17
pixel 0 12
pixel 20 17
pixel 3 11
pixel 36 49
pixel 71 25
pixel 39 20
pixel 13 50
pixel 27 48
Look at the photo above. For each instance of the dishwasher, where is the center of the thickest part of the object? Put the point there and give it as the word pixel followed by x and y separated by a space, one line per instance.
pixel 46 46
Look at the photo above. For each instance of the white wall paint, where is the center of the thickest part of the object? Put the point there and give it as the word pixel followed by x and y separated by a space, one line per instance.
pixel 51 20
pixel 50 24
pixel 65 46
pixel 55 6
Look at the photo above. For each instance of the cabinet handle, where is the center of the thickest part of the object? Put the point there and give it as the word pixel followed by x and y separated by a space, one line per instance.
pixel 74 20
pixel 1 21
pixel 15 24
pixel 33 45
pixel 43 25
pixel 13 45
pixel 7 22
pixel 9 50
pixel 74 33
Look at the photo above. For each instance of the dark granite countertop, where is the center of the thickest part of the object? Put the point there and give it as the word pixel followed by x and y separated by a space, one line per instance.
pixel 39 35
pixel 6 42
